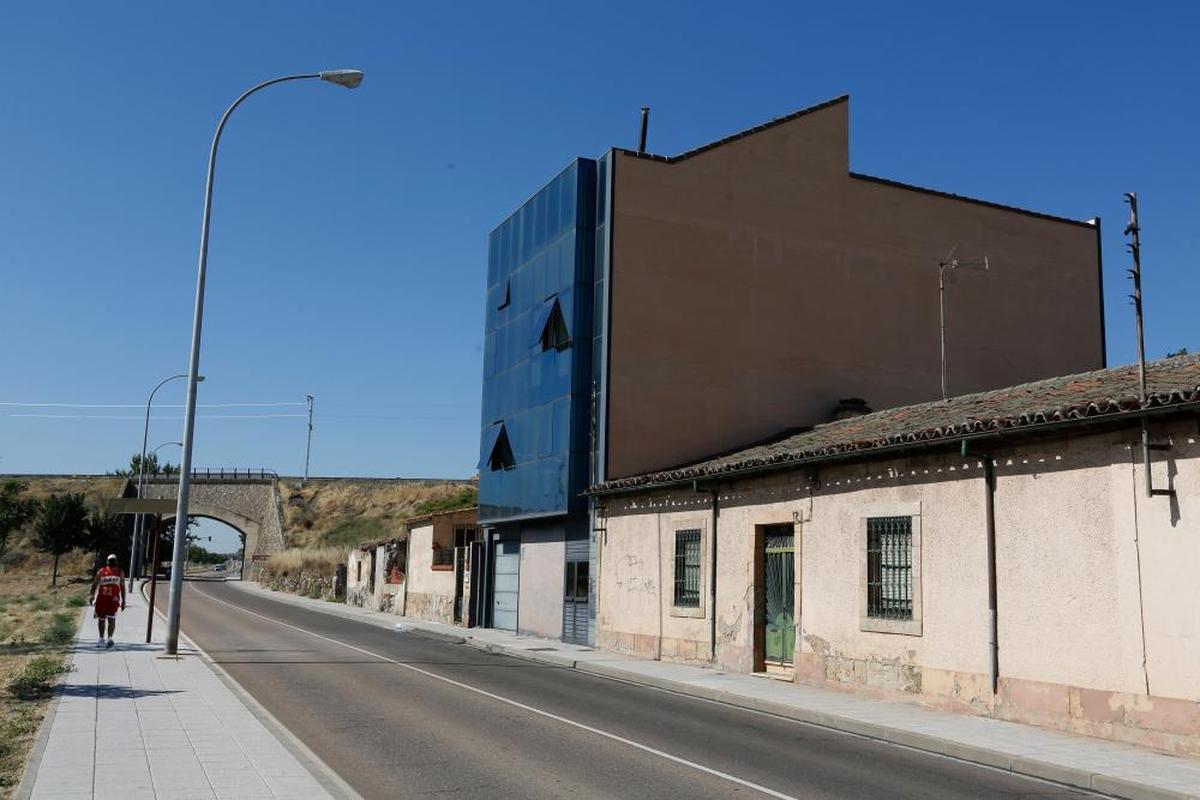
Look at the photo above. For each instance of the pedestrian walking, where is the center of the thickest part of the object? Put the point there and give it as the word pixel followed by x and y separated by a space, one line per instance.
pixel 108 588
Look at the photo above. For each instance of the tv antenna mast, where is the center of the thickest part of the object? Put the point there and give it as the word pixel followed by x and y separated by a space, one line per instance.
pixel 951 263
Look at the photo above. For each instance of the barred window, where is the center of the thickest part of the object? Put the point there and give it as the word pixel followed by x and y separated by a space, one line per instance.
pixel 889 568
pixel 687 568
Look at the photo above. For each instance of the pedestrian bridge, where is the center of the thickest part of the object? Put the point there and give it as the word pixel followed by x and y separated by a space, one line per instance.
pixel 245 500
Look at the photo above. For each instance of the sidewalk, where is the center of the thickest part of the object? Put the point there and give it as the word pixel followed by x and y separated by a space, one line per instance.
pixel 131 723
pixel 1103 766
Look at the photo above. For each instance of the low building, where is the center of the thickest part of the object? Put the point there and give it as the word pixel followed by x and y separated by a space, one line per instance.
pixel 1005 553
pixel 444 557
pixel 375 575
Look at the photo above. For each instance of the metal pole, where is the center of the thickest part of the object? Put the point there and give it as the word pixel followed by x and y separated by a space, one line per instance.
pixel 153 576
pixel 139 522
pixel 942 321
pixel 347 78
pixel 308 447
pixel 178 551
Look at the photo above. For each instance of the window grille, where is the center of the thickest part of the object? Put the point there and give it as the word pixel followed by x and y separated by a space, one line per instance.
pixel 889 568
pixel 443 557
pixel 687 568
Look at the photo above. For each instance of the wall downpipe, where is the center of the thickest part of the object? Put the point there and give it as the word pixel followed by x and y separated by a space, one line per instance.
pixel 989 513
pixel 714 493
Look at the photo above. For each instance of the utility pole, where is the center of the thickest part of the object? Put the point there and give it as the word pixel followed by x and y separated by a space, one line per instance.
pixel 308 447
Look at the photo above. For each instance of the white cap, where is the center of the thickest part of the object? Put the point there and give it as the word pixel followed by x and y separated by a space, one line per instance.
pixel 111 557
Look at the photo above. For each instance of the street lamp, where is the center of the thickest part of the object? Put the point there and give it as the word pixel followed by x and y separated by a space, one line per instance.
pixel 350 79
pixel 139 523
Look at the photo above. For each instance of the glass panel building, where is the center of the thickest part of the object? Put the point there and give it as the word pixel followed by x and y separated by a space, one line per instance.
pixel 535 443
pixel 536 383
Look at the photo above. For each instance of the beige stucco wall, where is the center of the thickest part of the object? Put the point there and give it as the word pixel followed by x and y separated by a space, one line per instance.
pixel 540 601
pixel 763 262
pixel 1068 513
pixel 430 591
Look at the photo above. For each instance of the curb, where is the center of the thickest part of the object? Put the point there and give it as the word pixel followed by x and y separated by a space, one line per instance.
pixel 321 772
pixel 949 748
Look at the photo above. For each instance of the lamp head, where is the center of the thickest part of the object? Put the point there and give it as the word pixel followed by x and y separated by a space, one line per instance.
pixel 350 78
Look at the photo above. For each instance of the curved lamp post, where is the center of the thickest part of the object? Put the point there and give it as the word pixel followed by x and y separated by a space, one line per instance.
pixel 139 523
pixel 350 79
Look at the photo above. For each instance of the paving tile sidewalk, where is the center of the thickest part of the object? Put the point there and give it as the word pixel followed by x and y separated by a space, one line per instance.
pixel 1106 767
pixel 131 724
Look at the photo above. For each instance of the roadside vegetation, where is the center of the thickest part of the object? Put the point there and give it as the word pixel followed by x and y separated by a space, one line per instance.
pixel 37 626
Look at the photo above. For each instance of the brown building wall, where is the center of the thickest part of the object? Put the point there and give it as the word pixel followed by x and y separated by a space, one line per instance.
pixel 757 282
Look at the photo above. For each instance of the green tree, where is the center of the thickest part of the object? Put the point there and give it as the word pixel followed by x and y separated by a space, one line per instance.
pixel 15 510
pixel 61 526
pixel 107 533
pixel 153 466
pixel 1183 351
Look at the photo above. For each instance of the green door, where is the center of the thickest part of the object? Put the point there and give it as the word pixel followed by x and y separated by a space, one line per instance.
pixel 780 578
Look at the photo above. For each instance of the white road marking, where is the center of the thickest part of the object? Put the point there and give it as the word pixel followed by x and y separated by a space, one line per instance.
pixel 548 715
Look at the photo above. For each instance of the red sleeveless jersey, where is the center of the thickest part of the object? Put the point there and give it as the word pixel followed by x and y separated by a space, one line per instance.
pixel 110 582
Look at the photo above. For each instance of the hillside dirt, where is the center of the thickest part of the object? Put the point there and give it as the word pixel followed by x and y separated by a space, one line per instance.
pixel 345 513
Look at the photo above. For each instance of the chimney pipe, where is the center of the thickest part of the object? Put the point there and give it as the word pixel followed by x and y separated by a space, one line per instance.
pixel 645 124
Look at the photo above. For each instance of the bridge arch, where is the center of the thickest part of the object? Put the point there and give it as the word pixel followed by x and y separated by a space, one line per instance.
pixel 247 527
pixel 249 505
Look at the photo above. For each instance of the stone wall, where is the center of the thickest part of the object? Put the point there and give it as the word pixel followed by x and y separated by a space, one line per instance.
pixel 307 584
pixel 432 607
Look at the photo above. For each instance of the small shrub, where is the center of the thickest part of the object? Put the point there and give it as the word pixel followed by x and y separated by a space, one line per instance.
pixel 77 601
pixel 36 679
pixel 61 630
pixel 41 604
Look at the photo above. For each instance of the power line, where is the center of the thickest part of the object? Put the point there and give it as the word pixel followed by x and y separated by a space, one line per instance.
pixel 153 419
pixel 141 405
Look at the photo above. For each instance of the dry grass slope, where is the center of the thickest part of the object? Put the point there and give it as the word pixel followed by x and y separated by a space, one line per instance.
pixel 344 513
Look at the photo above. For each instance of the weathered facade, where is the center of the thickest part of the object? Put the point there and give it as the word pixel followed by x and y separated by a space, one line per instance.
pixel 440 578
pixel 375 575
pixel 885 520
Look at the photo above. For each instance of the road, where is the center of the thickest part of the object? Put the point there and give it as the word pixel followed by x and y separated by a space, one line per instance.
pixel 401 714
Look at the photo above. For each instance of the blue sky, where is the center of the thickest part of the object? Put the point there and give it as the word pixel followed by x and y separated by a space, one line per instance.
pixel 349 242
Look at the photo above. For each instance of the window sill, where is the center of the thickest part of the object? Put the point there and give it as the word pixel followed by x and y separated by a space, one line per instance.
pixel 904 627
pixel 687 611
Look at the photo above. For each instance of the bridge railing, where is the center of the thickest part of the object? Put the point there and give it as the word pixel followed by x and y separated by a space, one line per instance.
pixel 222 474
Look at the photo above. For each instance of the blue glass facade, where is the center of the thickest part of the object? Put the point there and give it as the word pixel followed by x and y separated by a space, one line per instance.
pixel 536 383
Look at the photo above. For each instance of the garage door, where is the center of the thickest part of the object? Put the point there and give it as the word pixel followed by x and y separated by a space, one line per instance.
pixel 506 567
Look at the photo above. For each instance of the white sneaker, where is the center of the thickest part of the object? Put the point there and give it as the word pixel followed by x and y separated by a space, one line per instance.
pixel 100 643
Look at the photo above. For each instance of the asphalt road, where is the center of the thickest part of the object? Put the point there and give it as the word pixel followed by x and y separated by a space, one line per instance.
pixel 404 715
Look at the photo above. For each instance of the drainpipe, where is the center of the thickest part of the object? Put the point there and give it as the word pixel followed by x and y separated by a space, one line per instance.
pixel 712 582
pixel 989 512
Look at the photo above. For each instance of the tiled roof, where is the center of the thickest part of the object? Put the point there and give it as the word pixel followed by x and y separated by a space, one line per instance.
pixel 1071 398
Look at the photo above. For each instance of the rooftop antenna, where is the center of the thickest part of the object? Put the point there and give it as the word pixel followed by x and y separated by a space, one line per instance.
pixel 950 263
pixel 645 125
pixel 1134 231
